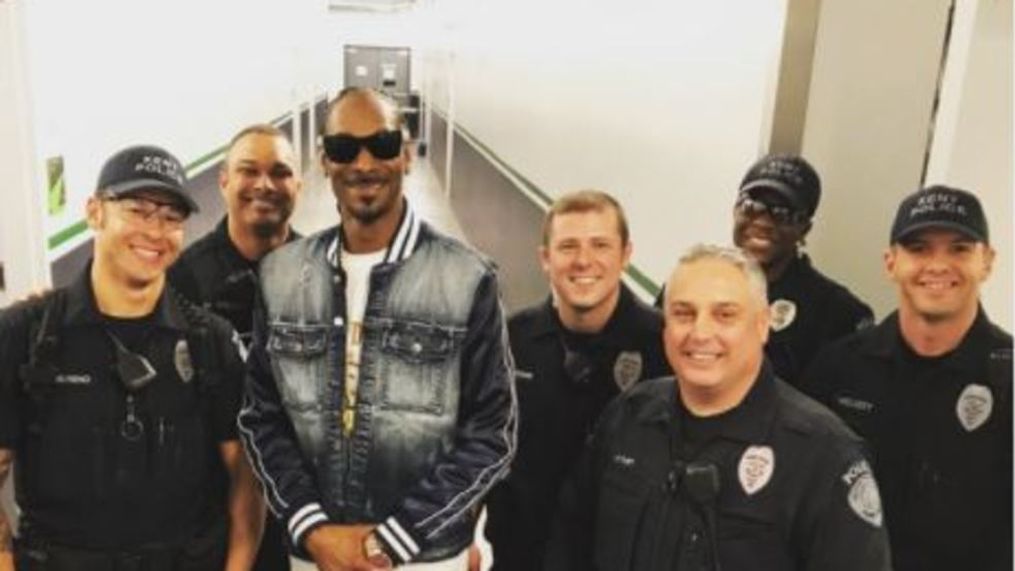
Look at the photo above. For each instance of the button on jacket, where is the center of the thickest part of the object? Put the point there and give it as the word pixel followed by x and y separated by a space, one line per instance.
pixel 435 408
pixel 941 439
pixel 80 480
pixel 557 414
pixel 809 311
pixel 794 490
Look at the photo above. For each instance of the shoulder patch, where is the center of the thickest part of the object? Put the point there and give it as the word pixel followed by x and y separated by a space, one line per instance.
pixel 627 369
pixel 862 493
pixel 184 364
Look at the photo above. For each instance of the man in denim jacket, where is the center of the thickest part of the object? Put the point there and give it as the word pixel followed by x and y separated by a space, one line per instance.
pixel 379 408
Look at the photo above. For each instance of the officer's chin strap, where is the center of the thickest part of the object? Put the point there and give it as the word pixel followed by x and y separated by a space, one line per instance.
pixel 701 483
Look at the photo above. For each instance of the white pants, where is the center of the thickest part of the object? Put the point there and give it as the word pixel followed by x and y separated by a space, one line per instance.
pixel 457 563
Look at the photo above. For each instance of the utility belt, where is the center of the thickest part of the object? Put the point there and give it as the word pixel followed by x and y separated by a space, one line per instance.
pixel 204 552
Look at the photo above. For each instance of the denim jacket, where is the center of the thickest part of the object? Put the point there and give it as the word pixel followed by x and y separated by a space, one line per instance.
pixel 435 410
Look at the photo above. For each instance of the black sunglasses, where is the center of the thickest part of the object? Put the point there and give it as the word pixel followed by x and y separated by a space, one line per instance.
pixel 752 207
pixel 384 145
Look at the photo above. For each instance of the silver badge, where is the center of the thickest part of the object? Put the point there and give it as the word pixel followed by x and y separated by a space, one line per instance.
pixel 974 406
pixel 182 360
pixel 627 369
pixel 783 313
pixel 863 496
pixel 756 467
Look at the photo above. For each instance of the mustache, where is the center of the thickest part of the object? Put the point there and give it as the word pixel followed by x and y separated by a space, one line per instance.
pixel 355 178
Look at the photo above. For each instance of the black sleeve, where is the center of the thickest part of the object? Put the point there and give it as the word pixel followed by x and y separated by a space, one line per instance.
pixel 848 316
pixel 843 525
pixel 229 388
pixel 14 323
pixel 182 278
pixel 819 378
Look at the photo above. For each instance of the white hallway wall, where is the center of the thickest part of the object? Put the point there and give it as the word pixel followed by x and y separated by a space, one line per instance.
pixel 185 75
pixel 663 106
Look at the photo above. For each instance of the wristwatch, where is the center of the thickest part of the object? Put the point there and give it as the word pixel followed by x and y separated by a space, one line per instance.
pixel 374 551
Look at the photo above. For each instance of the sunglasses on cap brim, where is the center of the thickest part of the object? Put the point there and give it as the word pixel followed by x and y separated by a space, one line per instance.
pixel 781 214
pixel 383 145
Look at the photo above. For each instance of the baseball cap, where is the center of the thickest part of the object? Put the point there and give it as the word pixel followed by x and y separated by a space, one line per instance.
pixel 145 167
pixel 790 176
pixel 940 206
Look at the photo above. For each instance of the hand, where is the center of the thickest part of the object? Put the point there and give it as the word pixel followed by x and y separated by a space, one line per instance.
pixel 475 558
pixel 339 547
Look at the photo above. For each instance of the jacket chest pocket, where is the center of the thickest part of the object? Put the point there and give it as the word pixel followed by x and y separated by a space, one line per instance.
pixel 298 352
pixel 622 510
pixel 418 365
pixel 749 540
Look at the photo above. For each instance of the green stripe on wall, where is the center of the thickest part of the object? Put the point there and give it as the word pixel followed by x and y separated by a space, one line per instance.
pixel 67 233
pixel 542 199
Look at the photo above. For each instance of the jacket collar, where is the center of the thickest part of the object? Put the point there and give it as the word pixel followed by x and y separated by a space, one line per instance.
pixel 885 341
pixel 81 308
pixel 402 245
pixel 547 321
pixel 749 421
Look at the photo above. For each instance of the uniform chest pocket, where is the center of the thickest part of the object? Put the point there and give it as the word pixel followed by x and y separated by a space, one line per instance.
pixel 623 502
pixel 298 355
pixel 418 365
pixel 750 541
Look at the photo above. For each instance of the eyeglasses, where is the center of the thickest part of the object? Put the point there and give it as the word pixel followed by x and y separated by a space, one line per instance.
pixel 785 215
pixel 383 145
pixel 143 210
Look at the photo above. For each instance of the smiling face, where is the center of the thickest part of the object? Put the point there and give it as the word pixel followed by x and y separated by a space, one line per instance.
pixel 368 189
pixel 772 242
pixel 260 184
pixel 583 258
pixel 716 326
pixel 938 274
pixel 136 238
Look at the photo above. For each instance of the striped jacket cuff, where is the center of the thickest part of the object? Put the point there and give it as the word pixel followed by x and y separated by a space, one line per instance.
pixel 398 544
pixel 305 519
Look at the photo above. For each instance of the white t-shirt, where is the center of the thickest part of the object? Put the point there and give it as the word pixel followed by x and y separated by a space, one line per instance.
pixel 357 288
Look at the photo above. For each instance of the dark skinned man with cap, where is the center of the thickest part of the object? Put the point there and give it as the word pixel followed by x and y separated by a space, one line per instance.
pixel 118 401
pixel 929 388
pixel 260 183
pixel 772 216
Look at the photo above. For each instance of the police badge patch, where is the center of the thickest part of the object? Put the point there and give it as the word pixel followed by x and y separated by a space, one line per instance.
pixel 756 467
pixel 974 406
pixel 863 495
pixel 627 369
pixel 783 313
pixel 183 362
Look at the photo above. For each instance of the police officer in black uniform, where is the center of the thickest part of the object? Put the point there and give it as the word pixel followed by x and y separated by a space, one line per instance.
pixel 725 466
pixel 929 388
pixel 118 401
pixel 772 216
pixel 260 183
pixel 589 342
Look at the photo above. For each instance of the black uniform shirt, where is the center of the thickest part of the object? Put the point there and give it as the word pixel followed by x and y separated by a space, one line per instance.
pixel 212 273
pixel 809 310
pixel 558 407
pixel 794 490
pixel 79 481
pixel 940 430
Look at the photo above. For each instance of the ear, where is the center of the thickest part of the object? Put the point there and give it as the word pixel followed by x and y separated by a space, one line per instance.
pixel 764 324
pixel 988 261
pixel 544 258
pixel 407 155
pixel 223 178
pixel 94 213
pixel 889 258
pixel 628 249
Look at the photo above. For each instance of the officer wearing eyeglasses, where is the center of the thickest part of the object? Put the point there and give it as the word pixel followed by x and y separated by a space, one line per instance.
pixel 772 216
pixel 722 465
pixel 589 341
pixel 118 401
pixel 260 184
